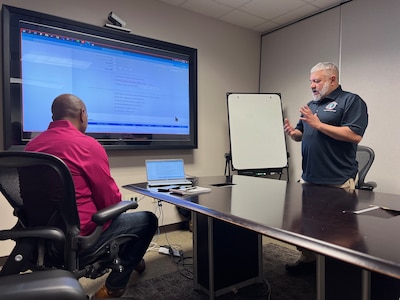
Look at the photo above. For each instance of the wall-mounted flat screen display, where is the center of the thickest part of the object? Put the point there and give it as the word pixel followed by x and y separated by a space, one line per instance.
pixel 140 93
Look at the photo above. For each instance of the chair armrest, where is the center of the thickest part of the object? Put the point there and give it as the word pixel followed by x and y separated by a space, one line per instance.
pixel 50 233
pixel 102 216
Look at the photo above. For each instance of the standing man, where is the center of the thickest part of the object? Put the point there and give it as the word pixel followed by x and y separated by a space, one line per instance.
pixel 330 127
pixel 95 188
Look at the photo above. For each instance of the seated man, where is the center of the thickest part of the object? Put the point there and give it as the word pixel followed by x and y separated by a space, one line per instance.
pixel 95 188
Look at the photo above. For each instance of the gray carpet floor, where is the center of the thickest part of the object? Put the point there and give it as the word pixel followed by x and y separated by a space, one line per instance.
pixel 168 278
pixel 278 285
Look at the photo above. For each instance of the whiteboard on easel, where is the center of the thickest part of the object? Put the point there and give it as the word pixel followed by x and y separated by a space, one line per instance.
pixel 257 138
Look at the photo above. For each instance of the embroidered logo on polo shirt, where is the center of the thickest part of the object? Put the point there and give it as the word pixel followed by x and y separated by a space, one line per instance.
pixel 331 106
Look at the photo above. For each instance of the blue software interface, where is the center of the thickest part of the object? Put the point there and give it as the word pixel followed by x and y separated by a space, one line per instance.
pixel 165 169
pixel 126 88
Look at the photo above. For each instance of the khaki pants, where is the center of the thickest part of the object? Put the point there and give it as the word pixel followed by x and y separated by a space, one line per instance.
pixel 350 184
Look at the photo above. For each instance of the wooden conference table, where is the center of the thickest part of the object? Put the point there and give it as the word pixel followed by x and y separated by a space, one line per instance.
pixel 356 238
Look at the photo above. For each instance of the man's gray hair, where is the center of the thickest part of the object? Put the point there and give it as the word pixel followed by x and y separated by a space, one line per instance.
pixel 331 68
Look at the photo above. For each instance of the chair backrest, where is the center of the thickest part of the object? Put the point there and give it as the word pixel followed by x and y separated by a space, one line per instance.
pixel 40 188
pixel 365 157
pixel 41 191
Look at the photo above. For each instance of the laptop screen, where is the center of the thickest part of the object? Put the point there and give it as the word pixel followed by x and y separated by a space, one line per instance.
pixel 165 169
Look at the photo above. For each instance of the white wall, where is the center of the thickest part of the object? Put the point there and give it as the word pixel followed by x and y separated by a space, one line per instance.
pixel 363 37
pixel 286 58
pixel 371 66
pixel 228 61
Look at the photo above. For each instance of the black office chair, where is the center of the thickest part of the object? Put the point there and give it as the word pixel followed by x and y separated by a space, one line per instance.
pixel 365 157
pixel 41 191
pixel 44 285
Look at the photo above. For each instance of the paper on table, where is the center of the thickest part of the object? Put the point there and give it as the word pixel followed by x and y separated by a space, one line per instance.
pixel 373 209
pixel 191 190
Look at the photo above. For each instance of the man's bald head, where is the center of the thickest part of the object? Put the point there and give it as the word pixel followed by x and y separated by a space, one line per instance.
pixel 70 107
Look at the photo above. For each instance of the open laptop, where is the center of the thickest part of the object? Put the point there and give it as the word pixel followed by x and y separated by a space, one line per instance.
pixel 163 172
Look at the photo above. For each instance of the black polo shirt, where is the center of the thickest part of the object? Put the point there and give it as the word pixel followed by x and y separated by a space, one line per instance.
pixel 326 160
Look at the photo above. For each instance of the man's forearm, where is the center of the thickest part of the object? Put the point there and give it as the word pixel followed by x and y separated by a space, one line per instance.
pixel 296 135
pixel 343 133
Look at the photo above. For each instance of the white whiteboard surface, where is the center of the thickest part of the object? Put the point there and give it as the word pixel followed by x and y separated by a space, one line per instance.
pixel 256 133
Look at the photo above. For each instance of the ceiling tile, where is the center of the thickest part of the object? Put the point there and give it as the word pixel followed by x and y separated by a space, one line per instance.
pixel 271 9
pixel 258 15
pixel 297 14
pixel 266 26
pixel 326 3
pixel 207 7
pixel 173 2
pixel 242 18
pixel 233 3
